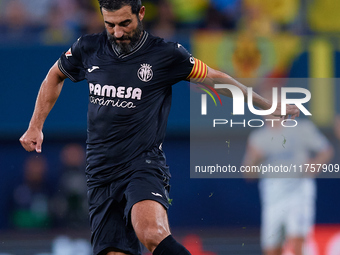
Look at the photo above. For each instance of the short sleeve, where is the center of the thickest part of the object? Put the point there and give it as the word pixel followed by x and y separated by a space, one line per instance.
pixel 70 63
pixel 184 64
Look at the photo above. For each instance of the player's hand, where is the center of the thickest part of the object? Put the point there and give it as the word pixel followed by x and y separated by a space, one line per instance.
pixel 292 112
pixel 32 140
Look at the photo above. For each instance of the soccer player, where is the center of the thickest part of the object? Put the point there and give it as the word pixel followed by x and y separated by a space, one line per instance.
pixel 287 199
pixel 130 74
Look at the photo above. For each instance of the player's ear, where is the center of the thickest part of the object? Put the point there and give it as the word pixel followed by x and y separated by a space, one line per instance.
pixel 141 13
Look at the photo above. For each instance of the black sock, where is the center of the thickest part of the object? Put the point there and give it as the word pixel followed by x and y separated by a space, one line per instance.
pixel 169 246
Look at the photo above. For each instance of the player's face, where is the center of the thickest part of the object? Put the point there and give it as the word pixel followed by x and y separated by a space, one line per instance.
pixel 123 28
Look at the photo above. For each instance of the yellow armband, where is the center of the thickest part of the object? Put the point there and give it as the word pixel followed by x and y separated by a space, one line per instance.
pixel 199 71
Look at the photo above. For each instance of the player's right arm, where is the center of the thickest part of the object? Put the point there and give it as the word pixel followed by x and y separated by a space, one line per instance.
pixel 48 94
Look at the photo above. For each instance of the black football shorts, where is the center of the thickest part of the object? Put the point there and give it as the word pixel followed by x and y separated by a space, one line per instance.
pixel 110 206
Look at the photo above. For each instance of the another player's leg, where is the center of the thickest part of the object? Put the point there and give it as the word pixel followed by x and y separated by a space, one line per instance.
pixel 273 251
pixel 301 218
pixel 150 222
pixel 296 244
pixel 272 223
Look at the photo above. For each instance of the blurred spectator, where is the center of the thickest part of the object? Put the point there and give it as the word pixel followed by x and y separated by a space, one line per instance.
pixel 256 19
pixel 70 204
pixel 222 14
pixel 37 10
pixel 30 208
pixel 72 13
pixel 217 20
pixel 282 12
pixel 17 26
pixel 267 17
pixel 165 23
pixel 189 14
pixel 287 198
pixel 152 12
pixel 94 22
pixel 67 19
pixel 57 32
pixel 47 21
pixel 61 21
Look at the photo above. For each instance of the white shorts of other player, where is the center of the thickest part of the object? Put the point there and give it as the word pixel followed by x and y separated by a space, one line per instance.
pixel 291 216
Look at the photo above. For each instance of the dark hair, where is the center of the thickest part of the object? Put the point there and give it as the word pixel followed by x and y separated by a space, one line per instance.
pixel 113 5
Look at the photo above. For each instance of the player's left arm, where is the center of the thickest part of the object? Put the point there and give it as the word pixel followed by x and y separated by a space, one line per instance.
pixel 323 157
pixel 213 75
pixel 201 73
pixel 320 147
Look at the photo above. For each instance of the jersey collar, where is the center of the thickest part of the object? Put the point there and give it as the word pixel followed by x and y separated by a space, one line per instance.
pixel 135 49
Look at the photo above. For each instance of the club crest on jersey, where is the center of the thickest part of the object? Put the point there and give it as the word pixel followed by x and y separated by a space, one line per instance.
pixel 145 73
pixel 68 53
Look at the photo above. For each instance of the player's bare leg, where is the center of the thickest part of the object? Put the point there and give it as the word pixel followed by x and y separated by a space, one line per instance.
pixel 150 222
pixel 273 251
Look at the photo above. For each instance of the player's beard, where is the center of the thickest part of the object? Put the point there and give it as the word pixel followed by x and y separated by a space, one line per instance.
pixel 125 48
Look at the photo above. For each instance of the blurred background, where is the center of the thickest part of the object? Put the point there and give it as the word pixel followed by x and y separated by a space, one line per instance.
pixel 43 206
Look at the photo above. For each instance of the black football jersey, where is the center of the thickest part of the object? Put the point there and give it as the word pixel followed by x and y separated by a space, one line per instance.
pixel 129 96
